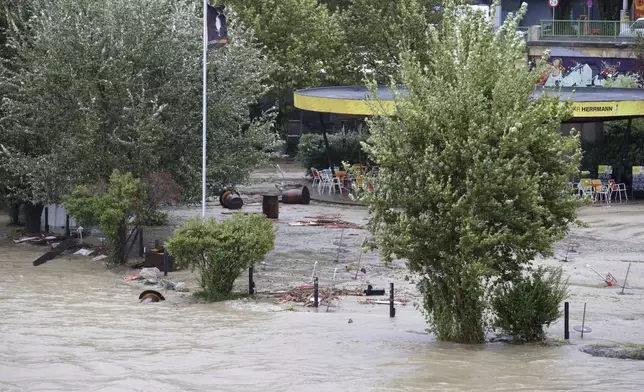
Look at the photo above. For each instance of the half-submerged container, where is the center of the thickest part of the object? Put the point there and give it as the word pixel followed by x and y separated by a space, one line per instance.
pixel 297 196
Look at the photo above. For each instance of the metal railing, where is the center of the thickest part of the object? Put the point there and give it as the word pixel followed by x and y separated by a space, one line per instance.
pixel 589 28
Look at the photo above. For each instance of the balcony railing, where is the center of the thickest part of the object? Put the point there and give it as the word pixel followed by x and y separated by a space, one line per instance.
pixel 590 28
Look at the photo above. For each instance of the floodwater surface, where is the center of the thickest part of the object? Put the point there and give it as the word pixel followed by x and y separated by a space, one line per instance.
pixel 72 325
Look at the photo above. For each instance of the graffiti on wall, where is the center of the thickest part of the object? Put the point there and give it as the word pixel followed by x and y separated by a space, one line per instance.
pixel 586 71
pixel 638 9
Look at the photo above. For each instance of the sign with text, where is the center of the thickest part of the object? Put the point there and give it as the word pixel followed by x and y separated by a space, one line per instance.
pixel 638 178
pixel 607 109
pixel 553 3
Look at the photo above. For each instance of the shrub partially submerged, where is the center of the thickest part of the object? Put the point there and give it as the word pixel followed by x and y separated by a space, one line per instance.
pixel 524 307
pixel 221 251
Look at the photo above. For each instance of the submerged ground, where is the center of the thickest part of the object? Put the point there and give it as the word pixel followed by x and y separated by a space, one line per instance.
pixel 73 325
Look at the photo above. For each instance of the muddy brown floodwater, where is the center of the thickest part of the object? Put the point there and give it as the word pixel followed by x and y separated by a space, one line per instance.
pixel 72 325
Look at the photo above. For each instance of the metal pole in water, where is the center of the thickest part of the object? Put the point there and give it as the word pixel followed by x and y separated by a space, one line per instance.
pixel 165 262
pixel 358 267
pixel 315 292
pixel 566 318
pixel 251 283
pixel 337 256
pixel 625 278
pixel 583 321
pixel 392 310
pixel 328 300
pixel 313 274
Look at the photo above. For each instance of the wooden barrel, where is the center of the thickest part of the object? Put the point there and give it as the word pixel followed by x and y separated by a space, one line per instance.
pixel 297 196
pixel 271 206
pixel 231 200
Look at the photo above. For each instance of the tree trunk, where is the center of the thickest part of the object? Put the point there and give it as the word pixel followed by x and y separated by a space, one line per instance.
pixel 119 244
pixel 33 213
pixel 14 214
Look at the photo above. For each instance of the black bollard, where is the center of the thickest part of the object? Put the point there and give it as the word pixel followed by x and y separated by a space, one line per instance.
pixel 251 283
pixel 166 261
pixel 566 325
pixel 392 310
pixel 141 247
pixel 315 292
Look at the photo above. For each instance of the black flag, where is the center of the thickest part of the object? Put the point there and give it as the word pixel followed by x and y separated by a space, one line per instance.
pixel 217 29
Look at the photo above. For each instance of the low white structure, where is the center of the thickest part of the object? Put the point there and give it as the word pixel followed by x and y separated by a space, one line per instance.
pixel 56 218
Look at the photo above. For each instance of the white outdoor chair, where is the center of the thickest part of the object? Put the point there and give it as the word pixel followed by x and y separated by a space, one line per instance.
pixel 316 178
pixel 585 191
pixel 604 193
pixel 326 180
pixel 619 189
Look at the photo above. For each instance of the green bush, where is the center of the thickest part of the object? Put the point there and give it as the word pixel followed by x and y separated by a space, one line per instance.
pixel 311 151
pixel 221 251
pixel 111 210
pixel 523 308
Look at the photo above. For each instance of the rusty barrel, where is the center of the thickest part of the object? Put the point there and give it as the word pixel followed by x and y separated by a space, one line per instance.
pixel 151 296
pixel 231 200
pixel 297 196
pixel 271 206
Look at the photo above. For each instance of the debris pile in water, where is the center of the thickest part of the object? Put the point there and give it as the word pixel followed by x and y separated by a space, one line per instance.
pixel 303 295
pixel 330 222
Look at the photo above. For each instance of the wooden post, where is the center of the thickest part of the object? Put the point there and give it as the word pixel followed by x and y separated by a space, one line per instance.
pixel 251 283
pixel 392 309
pixel 566 320
pixel 166 262
pixel 141 251
pixel 315 292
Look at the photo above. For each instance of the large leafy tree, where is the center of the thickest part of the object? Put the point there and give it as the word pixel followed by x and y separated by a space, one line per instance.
pixel 472 170
pixel 378 31
pixel 302 37
pixel 103 85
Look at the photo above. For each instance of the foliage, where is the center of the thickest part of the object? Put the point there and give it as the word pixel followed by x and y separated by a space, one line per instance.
pixel 302 37
pixel 472 170
pixel 607 150
pixel 523 307
pixel 623 81
pixel 221 251
pixel 106 85
pixel 111 210
pixel 311 151
pixel 378 31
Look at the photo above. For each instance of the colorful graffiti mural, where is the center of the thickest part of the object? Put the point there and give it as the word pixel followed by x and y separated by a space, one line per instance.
pixel 586 71
pixel 638 9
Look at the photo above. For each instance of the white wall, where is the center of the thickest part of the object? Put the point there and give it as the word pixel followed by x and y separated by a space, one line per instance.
pixel 57 215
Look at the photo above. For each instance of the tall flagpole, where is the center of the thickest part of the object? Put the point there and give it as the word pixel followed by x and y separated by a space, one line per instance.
pixel 203 119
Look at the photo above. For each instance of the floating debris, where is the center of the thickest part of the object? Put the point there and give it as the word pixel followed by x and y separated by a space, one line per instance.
pixel 400 302
pixel 84 252
pixel 328 222
pixel 303 295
